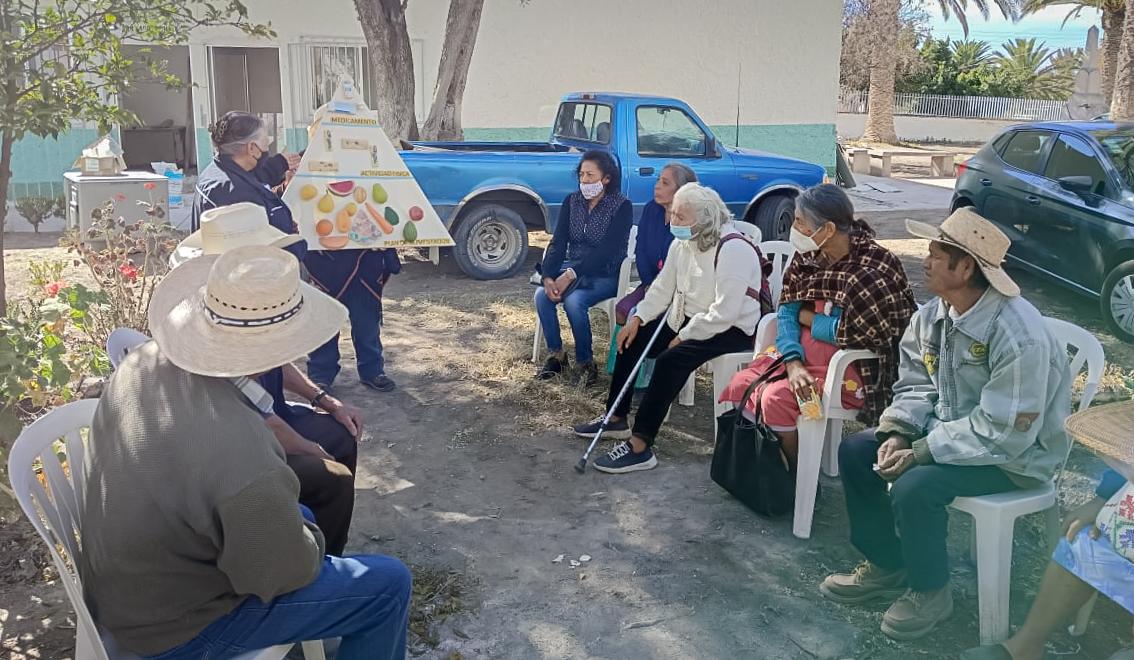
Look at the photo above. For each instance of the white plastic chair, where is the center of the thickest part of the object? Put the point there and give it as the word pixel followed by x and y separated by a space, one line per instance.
pixel 779 253
pixel 121 342
pixel 994 516
pixel 607 306
pixel 54 512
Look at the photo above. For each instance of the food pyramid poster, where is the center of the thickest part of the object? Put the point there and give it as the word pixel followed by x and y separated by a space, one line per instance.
pixel 352 189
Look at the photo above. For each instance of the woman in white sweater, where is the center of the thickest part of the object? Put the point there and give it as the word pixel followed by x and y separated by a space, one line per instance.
pixel 713 278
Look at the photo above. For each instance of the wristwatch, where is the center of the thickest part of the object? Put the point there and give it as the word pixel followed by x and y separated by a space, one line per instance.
pixel 319 396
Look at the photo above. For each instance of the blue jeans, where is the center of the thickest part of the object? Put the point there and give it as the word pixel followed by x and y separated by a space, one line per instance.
pixel 363 599
pixel 577 304
pixel 365 332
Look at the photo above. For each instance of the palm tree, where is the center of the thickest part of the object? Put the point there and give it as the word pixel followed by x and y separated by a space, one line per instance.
pixel 1045 74
pixel 969 55
pixel 885 21
pixel 1113 15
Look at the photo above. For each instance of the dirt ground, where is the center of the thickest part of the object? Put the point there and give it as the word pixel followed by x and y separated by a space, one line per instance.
pixel 466 473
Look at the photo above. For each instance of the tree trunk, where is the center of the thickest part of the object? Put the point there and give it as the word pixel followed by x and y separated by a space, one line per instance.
pixel 1112 22
pixel 444 122
pixel 7 142
pixel 885 25
pixel 391 64
pixel 1122 104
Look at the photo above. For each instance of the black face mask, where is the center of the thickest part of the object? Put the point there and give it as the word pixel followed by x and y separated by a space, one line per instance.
pixel 263 154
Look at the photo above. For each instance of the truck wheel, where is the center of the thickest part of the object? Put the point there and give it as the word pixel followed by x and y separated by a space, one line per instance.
pixel 774 216
pixel 1117 301
pixel 492 242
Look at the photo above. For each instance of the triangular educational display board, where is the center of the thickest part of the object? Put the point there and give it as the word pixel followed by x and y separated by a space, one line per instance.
pixel 352 189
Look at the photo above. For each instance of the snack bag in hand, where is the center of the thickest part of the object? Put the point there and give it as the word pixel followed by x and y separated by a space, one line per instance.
pixel 810 408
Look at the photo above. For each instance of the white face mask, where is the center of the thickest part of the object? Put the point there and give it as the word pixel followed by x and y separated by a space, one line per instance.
pixel 804 243
pixel 591 190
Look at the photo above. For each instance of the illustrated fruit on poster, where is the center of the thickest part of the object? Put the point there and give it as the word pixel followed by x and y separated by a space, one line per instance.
pixel 352 190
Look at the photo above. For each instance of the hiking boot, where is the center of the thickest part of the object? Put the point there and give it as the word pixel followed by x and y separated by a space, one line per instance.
pixel 552 368
pixel 916 613
pixel 381 383
pixel 865 583
pixel 586 374
pixel 623 459
pixel 619 430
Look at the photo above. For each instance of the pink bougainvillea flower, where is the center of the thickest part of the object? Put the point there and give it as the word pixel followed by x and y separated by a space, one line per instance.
pixel 119 197
pixel 129 271
pixel 150 185
pixel 52 288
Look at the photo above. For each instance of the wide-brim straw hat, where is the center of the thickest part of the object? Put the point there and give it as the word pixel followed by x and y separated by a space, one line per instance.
pixel 227 227
pixel 968 230
pixel 240 313
pixel 1106 430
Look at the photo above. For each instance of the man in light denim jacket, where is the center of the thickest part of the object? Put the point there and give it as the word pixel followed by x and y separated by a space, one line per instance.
pixel 983 390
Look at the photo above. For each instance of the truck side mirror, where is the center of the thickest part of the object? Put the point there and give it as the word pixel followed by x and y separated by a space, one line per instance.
pixel 711 147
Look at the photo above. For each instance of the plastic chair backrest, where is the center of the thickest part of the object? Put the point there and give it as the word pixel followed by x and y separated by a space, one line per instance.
pixel 121 342
pixel 779 253
pixel 1088 353
pixel 54 510
pixel 750 230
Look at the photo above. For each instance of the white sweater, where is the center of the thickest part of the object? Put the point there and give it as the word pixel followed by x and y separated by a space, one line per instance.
pixel 714 298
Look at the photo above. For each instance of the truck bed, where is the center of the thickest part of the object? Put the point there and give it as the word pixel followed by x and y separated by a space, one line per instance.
pixel 509 147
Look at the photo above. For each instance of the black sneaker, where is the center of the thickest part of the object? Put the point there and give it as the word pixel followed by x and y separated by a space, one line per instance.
pixel 552 368
pixel 585 374
pixel 380 383
pixel 619 430
pixel 623 459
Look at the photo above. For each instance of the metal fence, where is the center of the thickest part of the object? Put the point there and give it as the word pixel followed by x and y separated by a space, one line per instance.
pixel 967 107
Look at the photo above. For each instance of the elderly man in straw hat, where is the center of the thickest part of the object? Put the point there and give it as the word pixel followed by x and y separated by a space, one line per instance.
pixel 319 437
pixel 1097 555
pixel 193 542
pixel 983 389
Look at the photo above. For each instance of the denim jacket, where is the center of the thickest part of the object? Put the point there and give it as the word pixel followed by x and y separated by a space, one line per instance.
pixel 991 387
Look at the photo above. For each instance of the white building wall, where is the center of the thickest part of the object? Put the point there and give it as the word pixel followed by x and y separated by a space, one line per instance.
pixel 773 61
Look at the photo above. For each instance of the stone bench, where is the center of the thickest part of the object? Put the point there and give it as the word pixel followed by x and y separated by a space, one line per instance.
pixel 941 165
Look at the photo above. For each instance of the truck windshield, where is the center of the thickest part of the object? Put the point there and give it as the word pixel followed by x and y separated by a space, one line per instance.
pixel 1118 145
pixel 583 121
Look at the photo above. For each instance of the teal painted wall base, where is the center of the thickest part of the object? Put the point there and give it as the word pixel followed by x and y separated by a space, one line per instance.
pixel 38 163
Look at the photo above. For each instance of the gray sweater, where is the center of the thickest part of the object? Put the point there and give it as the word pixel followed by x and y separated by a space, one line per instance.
pixel 189 509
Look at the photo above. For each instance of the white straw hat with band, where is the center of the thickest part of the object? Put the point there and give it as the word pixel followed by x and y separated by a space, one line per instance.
pixel 227 227
pixel 968 230
pixel 240 313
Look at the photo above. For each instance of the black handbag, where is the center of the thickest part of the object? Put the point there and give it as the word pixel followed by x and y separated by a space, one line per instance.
pixel 748 460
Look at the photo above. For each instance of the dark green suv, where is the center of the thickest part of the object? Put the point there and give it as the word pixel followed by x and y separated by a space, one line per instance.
pixel 1064 193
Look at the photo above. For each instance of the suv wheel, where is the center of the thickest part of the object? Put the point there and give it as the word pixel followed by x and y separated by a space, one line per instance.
pixel 1117 301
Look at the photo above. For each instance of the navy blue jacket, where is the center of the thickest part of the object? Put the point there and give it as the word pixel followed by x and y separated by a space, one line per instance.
pixel 333 271
pixel 652 244
pixel 225 182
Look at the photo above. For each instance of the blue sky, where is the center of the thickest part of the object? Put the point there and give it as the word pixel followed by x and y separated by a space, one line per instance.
pixel 1045 25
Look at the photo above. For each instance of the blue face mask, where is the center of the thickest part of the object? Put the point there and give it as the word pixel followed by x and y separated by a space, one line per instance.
pixel 681 232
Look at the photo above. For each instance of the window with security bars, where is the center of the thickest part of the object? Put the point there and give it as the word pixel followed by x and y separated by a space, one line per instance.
pixel 317 66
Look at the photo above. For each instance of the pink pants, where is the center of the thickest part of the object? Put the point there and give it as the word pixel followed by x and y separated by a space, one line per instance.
pixel 778 405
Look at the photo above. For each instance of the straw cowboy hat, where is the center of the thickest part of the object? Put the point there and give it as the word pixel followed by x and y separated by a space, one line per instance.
pixel 987 245
pixel 227 227
pixel 1106 430
pixel 240 313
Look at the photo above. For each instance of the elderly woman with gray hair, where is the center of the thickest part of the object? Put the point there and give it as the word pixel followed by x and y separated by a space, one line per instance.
pixel 711 284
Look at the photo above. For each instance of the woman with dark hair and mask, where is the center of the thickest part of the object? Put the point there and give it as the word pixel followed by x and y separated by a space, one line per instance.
pixel 581 265
pixel 841 290
pixel 243 171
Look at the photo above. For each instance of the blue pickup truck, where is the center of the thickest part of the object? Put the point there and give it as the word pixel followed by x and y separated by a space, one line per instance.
pixel 490 193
